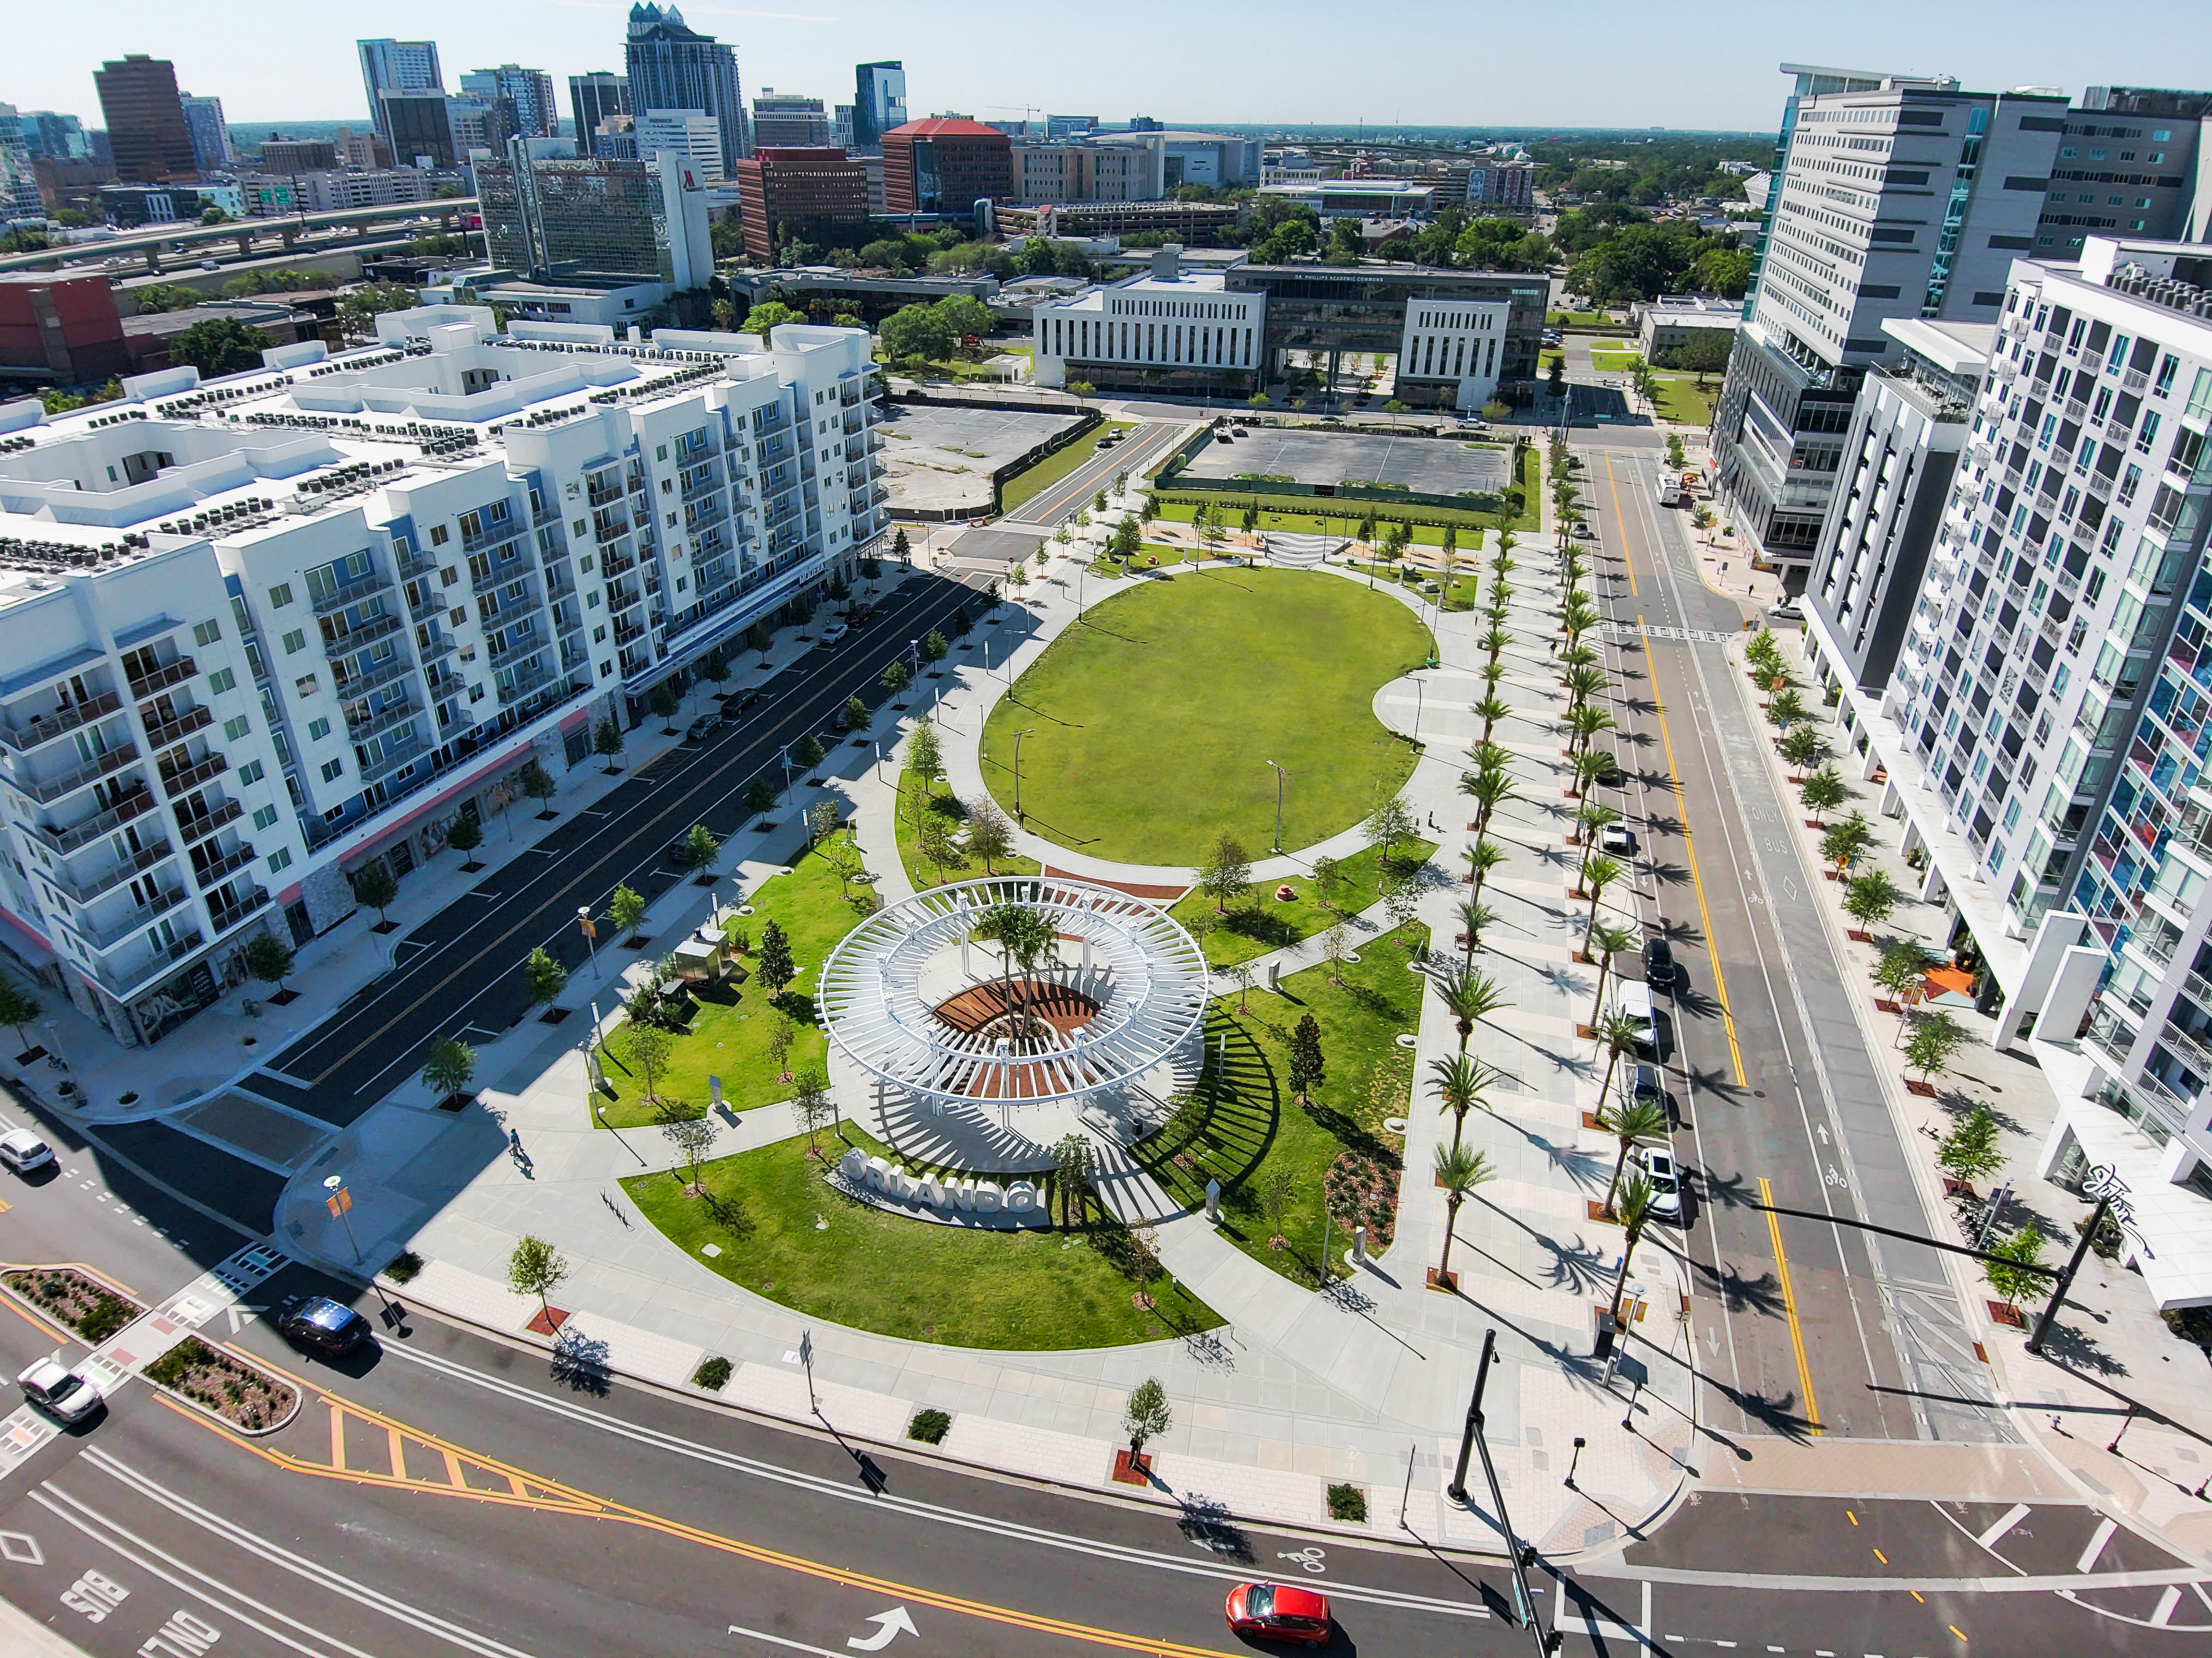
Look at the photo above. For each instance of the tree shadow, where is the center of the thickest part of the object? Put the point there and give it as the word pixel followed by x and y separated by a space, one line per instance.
pixel 580 1363
pixel 1737 1293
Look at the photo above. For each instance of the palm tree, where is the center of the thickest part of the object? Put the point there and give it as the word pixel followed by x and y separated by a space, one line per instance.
pixel 1470 996
pixel 1633 1123
pixel 1598 873
pixel 1493 709
pixel 1585 682
pixel 1460 1084
pixel 1024 938
pixel 1591 817
pixel 1589 766
pixel 1487 756
pixel 1611 938
pixel 1459 1172
pixel 1495 642
pixel 1576 655
pixel 1473 916
pixel 1491 790
pixel 1586 720
pixel 1632 1207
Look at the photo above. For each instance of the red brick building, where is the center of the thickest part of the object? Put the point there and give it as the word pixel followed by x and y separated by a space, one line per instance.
pixel 783 191
pixel 58 330
pixel 946 165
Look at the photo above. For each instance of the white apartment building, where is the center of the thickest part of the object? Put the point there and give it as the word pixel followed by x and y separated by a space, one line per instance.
pixel 1454 347
pixel 692 134
pixel 2046 729
pixel 260 631
pixel 1163 331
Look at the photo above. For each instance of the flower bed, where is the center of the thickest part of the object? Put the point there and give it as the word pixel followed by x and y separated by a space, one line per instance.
pixel 226 1387
pixel 1363 1190
pixel 85 1305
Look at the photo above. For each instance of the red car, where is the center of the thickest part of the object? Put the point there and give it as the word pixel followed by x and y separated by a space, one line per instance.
pixel 1279 1612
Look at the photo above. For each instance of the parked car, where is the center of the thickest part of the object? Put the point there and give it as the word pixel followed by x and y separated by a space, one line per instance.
pixel 1618 841
pixel 1658 1167
pixel 1634 999
pixel 1279 1612
pixel 697 730
pixel 1788 611
pixel 835 632
pixel 1644 1085
pixel 1583 532
pixel 1239 430
pixel 860 615
pixel 1612 777
pixel 1224 437
pixel 751 699
pixel 58 1391
pixel 23 1151
pixel 1658 962
pixel 321 1325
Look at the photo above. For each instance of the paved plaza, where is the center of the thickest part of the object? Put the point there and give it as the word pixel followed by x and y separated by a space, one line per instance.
pixel 1430 466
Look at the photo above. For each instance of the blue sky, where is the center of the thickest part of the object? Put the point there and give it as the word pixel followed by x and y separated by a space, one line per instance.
pixel 1599 62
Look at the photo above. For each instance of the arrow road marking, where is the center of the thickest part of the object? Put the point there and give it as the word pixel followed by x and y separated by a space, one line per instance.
pixel 892 1623
pixel 242 1313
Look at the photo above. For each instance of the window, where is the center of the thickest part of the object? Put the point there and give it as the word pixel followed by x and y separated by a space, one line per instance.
pixel 280 595
pixel 661 453
pixel 599 634
pixel 333 770
pixel 317 730
pixel 439 534
pixel 475 693
pixel 252 771
pixel 222 680
pixel 280 859
pixel 304 685
pixel 207 633
pixel 295 640
pixel 264 818
pixel 234 729
pixel 449 575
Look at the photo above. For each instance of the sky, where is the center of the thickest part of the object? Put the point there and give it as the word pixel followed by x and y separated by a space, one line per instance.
pixel 1599 62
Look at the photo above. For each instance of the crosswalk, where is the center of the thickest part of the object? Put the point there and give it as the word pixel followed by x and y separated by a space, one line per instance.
pixel 1704 636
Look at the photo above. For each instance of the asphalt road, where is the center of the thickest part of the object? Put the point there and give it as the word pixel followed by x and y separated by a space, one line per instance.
pixel 1806 1329
pixel 1148 444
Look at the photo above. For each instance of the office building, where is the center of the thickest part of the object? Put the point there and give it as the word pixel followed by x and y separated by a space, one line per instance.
pixel 1372 308
pixel 787 121
pixel 1161 331
pixel 534 107
pixel 2039 728
pixel 56 137
pixel 57 330
pixel 1082 170
pixel 592 99
pixel 303 628
pixel 670 66
pixel 482 126
pixel 22 201
pixel 362 149
pixel 1509 186
pixel 946 165
pixel 690 133
pixel 1189 223
pixel 211 146
pixel 841 127
pixel 1070 126
pixel 1361 198
pixel 2132 162
pixel 1897 196
pixel 1667 324
pixel 879 104
pixel 417 127
pixel 1194 158
pixel 558 215
pixel 296 155
pixel 272 195
pixel 145 117
pixel 787 192
pixel 397 66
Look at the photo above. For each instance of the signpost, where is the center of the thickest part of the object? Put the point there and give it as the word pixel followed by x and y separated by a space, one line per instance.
pixel 340 1204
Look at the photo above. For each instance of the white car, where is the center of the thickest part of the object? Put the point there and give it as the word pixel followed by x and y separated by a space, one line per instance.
pixel 834 632
pixel 1617 842
pixel 1658 1167
pixel 22 1151
pixel 1633 997
pixel 58 1391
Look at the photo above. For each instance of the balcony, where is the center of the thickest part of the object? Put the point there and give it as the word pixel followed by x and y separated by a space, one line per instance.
pixel 705 484
pixel 392 759
pixel 506 531
pixel 171 731
pixel 351 593
pixel 418 564
pixel 604 530
pixel 607 496
pixel 175 783
pixel 139 863
pixel 229 916
pixel 162 678
pixel 361 636
pixel 47 727
pixel 423 609
pixel 381 719
pixel 443 645
pixel 617 564
pixel 502 575
pixel 124 985
pixel 2187 1048
pixel 527 684
pixel 236 859
pixel 192 829
pixel 47 791
pixel 112 933
pixel 626 635
pixel 517 648
pixel 78 835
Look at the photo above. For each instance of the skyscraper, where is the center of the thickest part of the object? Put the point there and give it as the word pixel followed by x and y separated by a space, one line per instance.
pixel 537 110
pixel 145 117
pixel 211 149
pixel 592 99
pixel 788 121
pixel 397 66
pixel 674 67
pixel 879 104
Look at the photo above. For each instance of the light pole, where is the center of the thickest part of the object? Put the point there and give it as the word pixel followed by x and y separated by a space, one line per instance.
pixel 340 1204
pixel 784 755
pixel 1574 1462
pixel 1280 775
pixel 1017 771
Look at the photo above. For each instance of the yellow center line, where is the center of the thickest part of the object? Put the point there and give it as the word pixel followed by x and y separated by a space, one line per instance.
pixel 1790 1309
pixel 1620 527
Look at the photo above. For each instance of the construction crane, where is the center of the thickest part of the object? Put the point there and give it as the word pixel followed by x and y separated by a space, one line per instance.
pixel 1027 110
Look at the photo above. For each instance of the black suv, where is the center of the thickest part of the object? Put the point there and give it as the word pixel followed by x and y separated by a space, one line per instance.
pixel 1658 963
pixel 321 1325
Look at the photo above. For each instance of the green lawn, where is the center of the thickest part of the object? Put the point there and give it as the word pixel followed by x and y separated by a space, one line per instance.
pixel 1255 1125
pixel 1612 362
pixel 1260 921
pixel 1153 722
pixel 1056 465
pixel 924 873
pixel 729 1036
pixel 1680 399
pixel 1159 552
pixel 786 1234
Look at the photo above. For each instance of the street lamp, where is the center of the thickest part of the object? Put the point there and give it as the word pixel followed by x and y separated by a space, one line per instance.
pixel 1018 770
pixel 1574 1462
pixel 590 935
pixel 1280 775
pixel 784 755
pixel 340 1204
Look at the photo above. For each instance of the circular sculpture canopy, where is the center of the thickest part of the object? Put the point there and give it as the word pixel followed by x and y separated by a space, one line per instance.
pixel 913 998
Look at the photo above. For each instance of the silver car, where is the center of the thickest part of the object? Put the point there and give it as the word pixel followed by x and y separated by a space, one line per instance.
pixel 58 1391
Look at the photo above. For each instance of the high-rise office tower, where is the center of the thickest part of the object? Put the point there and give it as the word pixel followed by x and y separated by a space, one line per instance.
pixel 2132 162
pixel 688 132
pixel 787 121
pixel 879 104
pixel 421 128
pixel 397 66
pixel 1896 196
pixel 145 117
pixel 537 111
pixel 211 146
pixel 671 66
pixel 592 99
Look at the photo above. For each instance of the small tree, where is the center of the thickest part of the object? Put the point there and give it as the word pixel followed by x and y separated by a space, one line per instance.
pixel 1470 996
pixel 1388 827
pixel 626 909
pixel 1785 707
pixel 1936 1037
pixel 1971 1150
pixel 933 840
pixel 759 639
pixel 537 785
pixel 782 1032
pixel 1278 1185
pixel 1460 1085
pixel 1823 792
pixel 1459 1172
pixel 1307 1063
pixel 267 958
pixel 1598 873
pixel 933 646
pixel 1844 842
pixel 1608 939
pixel 1336 944
pixel 1802 746
pixel 691 1138
pixel 647 1047
pixel 896 678
pixel 699 849
pixel 855 717
pixel 2010 1278
pixel 664 702
pixel 373 886
pixel 812 1106
pixel 1869 899
pixel 542 978
pixel 464 836
pixel 1144 1264
pixel 1146 1416
pixel 1328 882
pixel 536 1268
pixel 1227 872
pixel 714 667
pixel 924 758
pixel 990 837
pixel 775 966
pixel 760 797
pixel 447 1065
pixel 1074 1160
pixel 18 1007
pixel 809 752
pixel 607 741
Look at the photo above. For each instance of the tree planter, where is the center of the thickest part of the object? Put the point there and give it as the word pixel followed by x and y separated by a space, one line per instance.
pixel 2008 1317
pixel 554 1015
pixel 546 1322
pixel 1130 1470
pixel 1954 1187
pixel 1883 1004
pixel 1447 1282
pixel 1858 935
pixel 1925 1090
pixel 1589 1119
pixel 455 1102
pixel 385 927
pixel 1599 1212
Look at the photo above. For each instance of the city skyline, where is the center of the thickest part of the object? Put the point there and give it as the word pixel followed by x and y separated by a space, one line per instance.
pixel 1723 80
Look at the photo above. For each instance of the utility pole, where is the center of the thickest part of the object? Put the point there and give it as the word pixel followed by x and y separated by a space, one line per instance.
pixel 1471 1440
pixel 1018 770
pixel 1280 775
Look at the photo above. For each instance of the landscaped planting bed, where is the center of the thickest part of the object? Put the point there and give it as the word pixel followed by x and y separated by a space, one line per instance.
pixel 228 1386
pixel 85 1305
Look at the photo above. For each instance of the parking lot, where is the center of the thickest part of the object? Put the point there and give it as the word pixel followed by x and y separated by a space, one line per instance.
pixel 1435 466
pixel 941 459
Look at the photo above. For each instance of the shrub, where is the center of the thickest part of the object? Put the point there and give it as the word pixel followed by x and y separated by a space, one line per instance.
pixel 711 1374
pixel 403 1267
pixel 929 1426
pixel 1347 1504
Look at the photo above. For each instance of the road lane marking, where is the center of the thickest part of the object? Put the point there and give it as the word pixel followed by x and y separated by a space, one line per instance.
pixel 2005 1522
pixel 1789 1308
pixel 2097 1539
